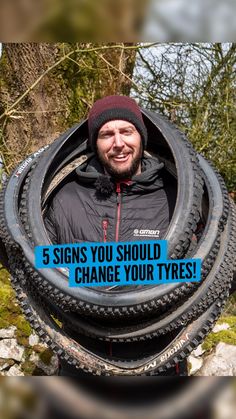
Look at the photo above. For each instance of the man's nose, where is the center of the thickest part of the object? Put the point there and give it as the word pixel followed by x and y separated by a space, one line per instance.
pixel 118 139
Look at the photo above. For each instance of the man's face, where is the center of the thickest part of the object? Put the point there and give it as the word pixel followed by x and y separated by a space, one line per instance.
pixel 119 148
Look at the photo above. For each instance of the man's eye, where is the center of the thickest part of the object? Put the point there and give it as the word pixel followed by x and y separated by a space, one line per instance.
pixel 104 135
pixel 127 132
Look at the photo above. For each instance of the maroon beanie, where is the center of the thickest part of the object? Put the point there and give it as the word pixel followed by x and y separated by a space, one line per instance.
pixel 115 107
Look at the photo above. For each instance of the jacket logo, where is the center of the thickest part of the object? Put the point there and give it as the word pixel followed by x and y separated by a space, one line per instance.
pixel 146 233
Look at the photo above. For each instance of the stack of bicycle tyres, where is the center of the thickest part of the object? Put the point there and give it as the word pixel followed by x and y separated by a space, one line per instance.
pixel 132 330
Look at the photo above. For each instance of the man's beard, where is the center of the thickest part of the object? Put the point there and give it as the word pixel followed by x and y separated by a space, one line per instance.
pixel 119 173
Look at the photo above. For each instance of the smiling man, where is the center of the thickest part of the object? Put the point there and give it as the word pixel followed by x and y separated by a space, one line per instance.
pixel 120 193
pixel 118 134
pixel 119 149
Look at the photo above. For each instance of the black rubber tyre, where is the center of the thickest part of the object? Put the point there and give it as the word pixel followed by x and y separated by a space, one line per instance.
pixel 126 302
pixel 183 326
pixel 215 287
pixel 207 250
pixel 75 354
pixel 10 196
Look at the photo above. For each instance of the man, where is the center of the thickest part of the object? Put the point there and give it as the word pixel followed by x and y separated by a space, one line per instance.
pixel 119 191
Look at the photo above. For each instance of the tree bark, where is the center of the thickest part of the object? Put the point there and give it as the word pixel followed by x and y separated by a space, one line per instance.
pixel 39 117
pixel 62 97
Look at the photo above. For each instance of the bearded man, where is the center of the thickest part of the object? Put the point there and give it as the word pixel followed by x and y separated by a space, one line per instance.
pixel 119 191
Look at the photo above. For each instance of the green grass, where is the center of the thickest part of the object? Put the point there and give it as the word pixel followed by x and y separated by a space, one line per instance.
pixel 226 336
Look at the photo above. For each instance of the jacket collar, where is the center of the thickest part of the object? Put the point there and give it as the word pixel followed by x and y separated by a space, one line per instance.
pixel 149 178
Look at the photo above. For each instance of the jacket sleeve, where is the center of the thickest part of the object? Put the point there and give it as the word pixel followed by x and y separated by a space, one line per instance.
pixel 51 225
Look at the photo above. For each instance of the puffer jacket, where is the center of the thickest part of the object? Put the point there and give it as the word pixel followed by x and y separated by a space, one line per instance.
pixel 92 207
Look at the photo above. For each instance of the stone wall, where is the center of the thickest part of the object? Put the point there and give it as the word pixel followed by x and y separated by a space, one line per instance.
pixel 32 359
pixel 21 352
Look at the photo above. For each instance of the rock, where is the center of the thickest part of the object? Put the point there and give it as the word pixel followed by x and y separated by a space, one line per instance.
pixel 51 369
pixel 9 348
pixel 198 351
pixel 14 371
pixel 196 364
pixel 218 327
pixel 6 364
pixel 33 339
pixel 34 358
pixel 221 363
pixel 8 333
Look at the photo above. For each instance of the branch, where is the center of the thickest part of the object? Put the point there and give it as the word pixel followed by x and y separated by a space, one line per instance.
pixel 11 109
pixel 152 99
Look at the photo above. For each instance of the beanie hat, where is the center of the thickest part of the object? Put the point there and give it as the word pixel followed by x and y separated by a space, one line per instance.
pixel 115 107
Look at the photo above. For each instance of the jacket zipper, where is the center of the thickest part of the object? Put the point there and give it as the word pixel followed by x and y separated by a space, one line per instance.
pixel 118 191
pixel 104 228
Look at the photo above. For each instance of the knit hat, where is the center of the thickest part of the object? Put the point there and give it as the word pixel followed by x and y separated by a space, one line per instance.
pixel 115 107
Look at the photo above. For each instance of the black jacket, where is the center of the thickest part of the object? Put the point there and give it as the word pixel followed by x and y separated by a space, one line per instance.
pixel 92 207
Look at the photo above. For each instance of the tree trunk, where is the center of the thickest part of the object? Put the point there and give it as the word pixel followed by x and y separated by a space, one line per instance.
pixel 62 96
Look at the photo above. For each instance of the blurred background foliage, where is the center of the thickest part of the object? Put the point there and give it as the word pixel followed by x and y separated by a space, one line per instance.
pixel 47 87
pixel 124 20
